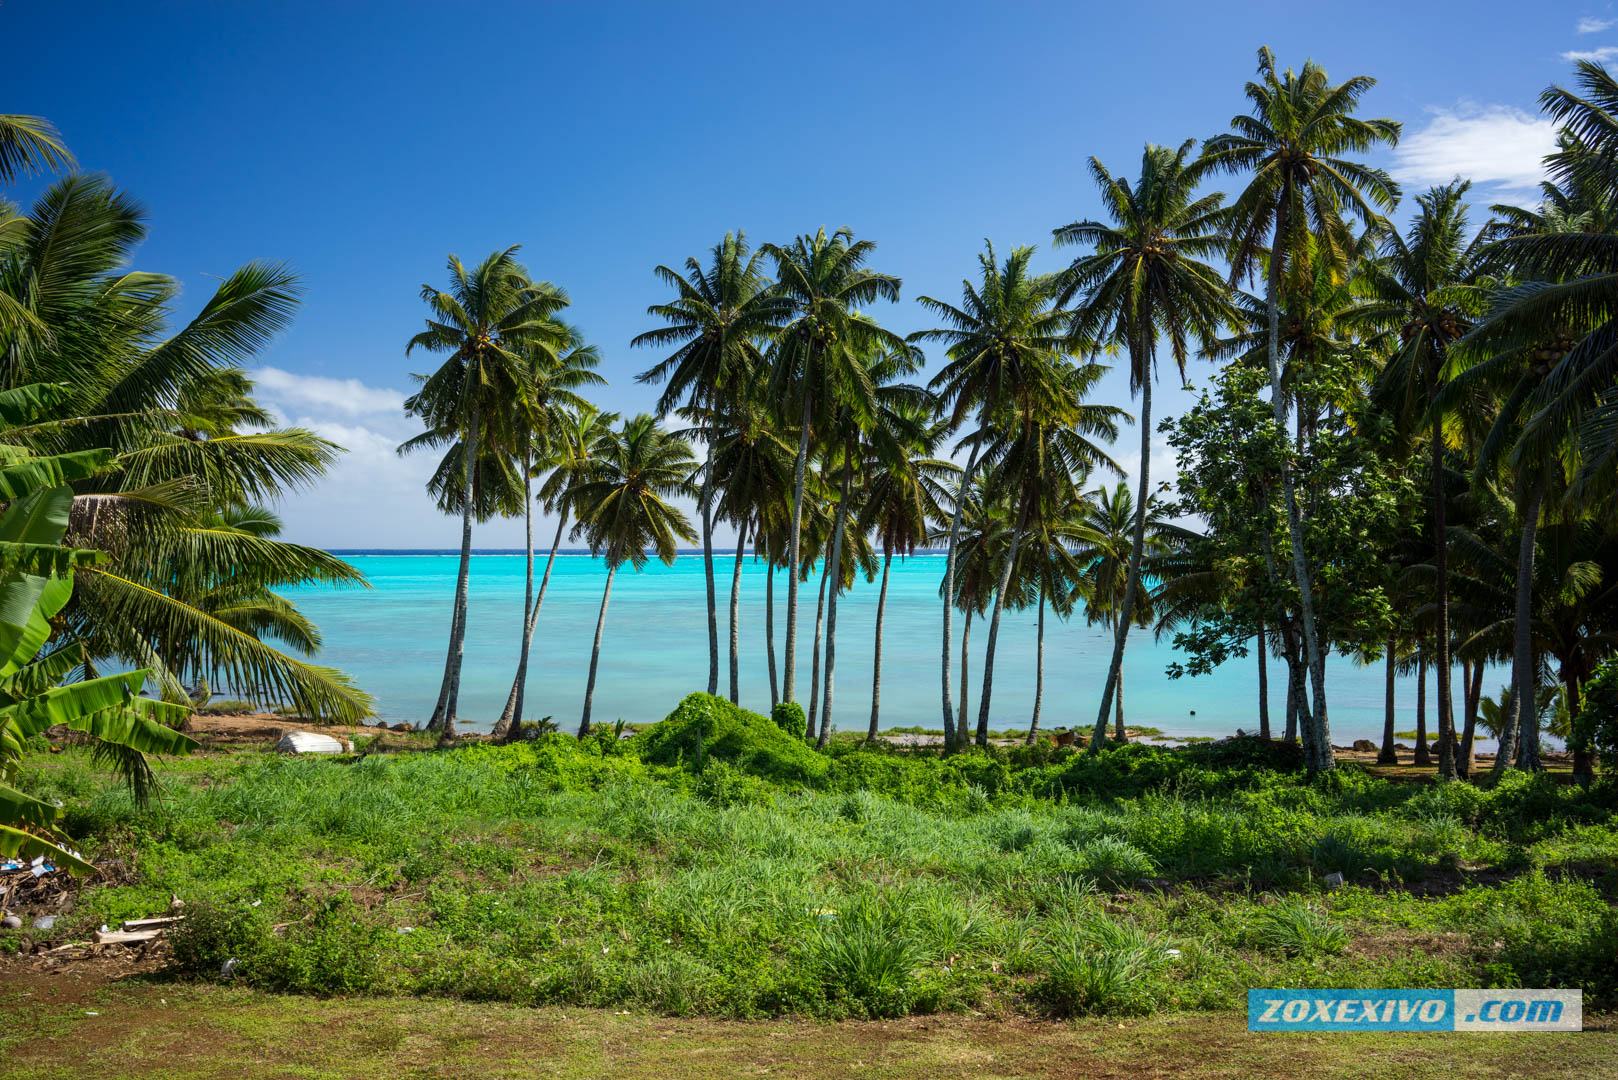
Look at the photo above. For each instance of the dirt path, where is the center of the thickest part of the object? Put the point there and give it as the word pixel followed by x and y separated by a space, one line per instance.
pixel 63 1029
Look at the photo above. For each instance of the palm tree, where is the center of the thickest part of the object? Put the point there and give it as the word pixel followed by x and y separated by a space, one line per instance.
pixel 719 321
pixel 1292 143
pixel 491 322
pixel 982 535
pixel 1050 575
pixel 1036 461
pixel 623 510
pixel 1004 346
pixel 29 145
pixel 1146 280
pixel 815 361
pixel 1422 289
pixel 574 437
pixel 904 495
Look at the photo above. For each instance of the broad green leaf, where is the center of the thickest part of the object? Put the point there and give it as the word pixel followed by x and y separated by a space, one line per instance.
pixel 25 845
pixel 25 810
pixel 36 474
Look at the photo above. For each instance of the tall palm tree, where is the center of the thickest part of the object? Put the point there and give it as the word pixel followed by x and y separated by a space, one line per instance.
pixel 1036 459
pixel 1146 280
pixel 982 535
pixel 574 438
pixel 815 362
pixel 905 494
pixel 624 512
pixel 719 321
pixel 1292 145
pixel 492 317
pixel 1004 348
pixel 1051 576
pixel 1422 289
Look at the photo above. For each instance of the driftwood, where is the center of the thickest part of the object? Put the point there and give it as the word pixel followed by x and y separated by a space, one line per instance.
pixel 157 922
pixel 125 937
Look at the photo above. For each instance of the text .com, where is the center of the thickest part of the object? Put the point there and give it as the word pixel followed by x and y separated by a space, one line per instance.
pixel 1415 1010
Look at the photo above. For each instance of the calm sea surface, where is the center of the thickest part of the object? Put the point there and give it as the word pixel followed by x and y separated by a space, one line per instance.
pixel 392 637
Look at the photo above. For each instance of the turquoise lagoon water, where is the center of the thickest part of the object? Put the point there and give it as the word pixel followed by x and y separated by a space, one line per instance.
pixel 391 638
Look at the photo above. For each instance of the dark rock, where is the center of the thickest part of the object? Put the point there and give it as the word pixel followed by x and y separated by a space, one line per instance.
pixel 1365 746
pixel 403 727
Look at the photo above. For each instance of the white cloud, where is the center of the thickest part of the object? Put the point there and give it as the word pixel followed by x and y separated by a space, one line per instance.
pixel 1599 56
pixel 1494 145
pixel 348 397
pixel 1591 25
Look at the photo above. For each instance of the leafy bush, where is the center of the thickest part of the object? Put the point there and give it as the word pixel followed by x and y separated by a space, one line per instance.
pixel 705 726
pixel 1596 726
pixel 214 934
pixel 790 718
pixel 1297 928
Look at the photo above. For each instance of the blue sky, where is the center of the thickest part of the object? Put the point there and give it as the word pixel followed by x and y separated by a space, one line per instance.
pixel 361 143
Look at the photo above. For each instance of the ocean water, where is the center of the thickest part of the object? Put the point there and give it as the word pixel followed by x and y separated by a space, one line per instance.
pixel 392 639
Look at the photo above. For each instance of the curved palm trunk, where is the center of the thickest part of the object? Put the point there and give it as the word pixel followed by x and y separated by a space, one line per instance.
pixel 794 536
pixel 1471 693
pixel 876 652
pixel 736 617
pixel 994 626
pixel 769 626
pixel 707 570
pixel 1319 732
pixel 436 721
pixel 1137 544
pixel 1523 676
pixel 1424 756
pixel 831 606
pixel 1263 684
pixel 814 657
pixel 950 734
pixel 1039 669
pixel 463 583
pixel 502 726
pixel 595 652
pixel 966 682
pixel 512 716
pixel 1388 755
pixel 1441 661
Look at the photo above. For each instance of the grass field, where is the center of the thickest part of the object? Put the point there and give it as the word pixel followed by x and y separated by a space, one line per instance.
pixel 699 886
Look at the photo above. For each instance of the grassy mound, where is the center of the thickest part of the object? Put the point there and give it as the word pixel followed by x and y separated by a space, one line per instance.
pixel 703 726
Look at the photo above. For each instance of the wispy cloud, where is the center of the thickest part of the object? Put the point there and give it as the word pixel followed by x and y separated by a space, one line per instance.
pixel 1599 56
pixel 346 397
pixel 1494 145
pixel 1592 25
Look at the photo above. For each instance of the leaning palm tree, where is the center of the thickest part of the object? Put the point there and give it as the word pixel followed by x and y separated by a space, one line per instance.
pixel 905 493
pixel 574 438
pixel 1292 145
pixel 815 362
pixel 1037 459
pixel 623 509
pixel 492 321
pixel 1004 348
pixel 1423 295
pixel 720 320
pixel 1146 281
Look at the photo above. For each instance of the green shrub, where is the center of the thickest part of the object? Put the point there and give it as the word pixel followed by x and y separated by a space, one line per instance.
pixel 1100 967
pixel 867 961
pixel 790 718
pixel 1113 861
pixel 705 726
pixel 212 935
pixel 1297 928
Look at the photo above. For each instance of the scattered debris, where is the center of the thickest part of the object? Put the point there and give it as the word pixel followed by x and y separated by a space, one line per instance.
pixel 44 922
pixel 310 742
pixel 157 922
pixel 1334 881
pixel 124 937
pixel 228 968
pixel 11 922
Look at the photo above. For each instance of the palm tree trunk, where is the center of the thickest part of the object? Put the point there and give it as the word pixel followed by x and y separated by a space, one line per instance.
pixel 1388 755
pixel 707 569
pixel 814 656
pixel 1524 679
pixel 950 734
pixel 1137 544
pixel 876 652
pixel 1039 668
pixel 1424 756
pixel 769 625
pixel 736 617
pixel 463 583
pixel 1118 708
pixel 503 725
pixel 595 651
pixel 1321 757
pixel 519 686
pixel 1471 693
pixel 831 604
pixel 794 536
pixel 966 641
pixel 994 625
pixel 1441 661
pixel 436 721
pixel 1263 685
pixel 1573 679
pixel 1292 702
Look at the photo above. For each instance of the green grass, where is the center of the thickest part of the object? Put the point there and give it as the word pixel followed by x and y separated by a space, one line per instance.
pixel 714 866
